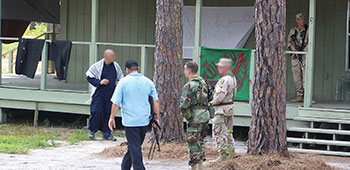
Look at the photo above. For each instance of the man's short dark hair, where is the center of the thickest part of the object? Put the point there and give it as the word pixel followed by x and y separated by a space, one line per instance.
pixel 132 65
pixel 192 66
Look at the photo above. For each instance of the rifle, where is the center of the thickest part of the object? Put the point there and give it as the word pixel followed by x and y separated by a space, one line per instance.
pixel 155 126
pixel 299 47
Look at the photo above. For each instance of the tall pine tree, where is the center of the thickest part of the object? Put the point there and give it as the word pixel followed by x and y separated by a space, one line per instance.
pixel 268 132
pixel 168 75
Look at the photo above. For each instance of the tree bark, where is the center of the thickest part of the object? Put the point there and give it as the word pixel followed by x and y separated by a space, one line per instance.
pixel 268 132
pixel 168 75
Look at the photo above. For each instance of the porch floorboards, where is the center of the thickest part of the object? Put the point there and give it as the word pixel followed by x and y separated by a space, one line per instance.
pixel 20 81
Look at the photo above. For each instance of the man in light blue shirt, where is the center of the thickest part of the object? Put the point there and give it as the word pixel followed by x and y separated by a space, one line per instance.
pixel 132 96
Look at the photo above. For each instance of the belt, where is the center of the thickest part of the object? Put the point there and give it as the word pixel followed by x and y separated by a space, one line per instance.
pixel 199 107
pixel 223 104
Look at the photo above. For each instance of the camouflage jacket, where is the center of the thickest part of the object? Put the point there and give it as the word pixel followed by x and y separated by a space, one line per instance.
pixel 194 101
pixel 299 33
pixel 225 90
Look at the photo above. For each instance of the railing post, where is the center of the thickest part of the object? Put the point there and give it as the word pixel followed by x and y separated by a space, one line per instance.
pixel 94 27
pixel 10 68
pixel 44 60
pixel 0 44
pixel 197 33
pixel 143 60
pixel 308 92
pixel 251 76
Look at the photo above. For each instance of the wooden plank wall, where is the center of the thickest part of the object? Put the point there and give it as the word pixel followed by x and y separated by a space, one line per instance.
pixel 127 22
pixel 132 21
pixel 120 21
pixel 75 26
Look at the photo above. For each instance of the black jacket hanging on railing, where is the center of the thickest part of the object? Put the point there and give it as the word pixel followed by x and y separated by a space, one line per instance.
pixel 59 52
pixel 28 55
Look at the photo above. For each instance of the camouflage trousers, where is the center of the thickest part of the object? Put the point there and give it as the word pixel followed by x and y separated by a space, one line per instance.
pixel 298 69
pixel 195 141
pixel 222 132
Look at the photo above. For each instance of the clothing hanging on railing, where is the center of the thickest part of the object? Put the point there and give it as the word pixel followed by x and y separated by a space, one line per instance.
pixel 28 55
pixel 59 52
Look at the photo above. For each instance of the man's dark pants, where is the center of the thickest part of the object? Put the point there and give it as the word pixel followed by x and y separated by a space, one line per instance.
pixel 135 137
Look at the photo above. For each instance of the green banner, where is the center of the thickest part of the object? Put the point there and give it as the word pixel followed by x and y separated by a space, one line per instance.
pixel 240 67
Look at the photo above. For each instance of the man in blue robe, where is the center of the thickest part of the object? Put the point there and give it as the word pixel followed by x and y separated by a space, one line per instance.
pixel 103 77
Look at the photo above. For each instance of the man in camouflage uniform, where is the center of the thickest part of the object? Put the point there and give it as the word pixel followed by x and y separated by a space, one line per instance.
pixel 223 96
pixel 298 41
pixel 194 108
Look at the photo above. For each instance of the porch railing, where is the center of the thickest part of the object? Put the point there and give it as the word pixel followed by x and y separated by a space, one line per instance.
pixel 44 59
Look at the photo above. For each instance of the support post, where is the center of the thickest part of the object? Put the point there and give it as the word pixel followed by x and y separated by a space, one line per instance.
pixel 36 115
pixel 143 60
pixel 251 76
pixel 44 60
pixel 10 65
pixel 197 33
pixel 309 69
pixel 3 116
pixel 0 44
pixel 52 30
pixel 94 27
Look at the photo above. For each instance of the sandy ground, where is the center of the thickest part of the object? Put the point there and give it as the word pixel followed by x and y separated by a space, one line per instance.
pixel 80 156
pixel 83 156
pixel 339 162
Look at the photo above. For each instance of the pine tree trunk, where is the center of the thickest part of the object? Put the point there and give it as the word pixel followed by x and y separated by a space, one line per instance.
pixel 168 75
pixel 267 132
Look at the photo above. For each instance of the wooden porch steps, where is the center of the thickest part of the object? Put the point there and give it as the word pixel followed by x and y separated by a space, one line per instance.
pixel 318 142
pixel 321 152
pixel 316 119
pixel 325 141
pixel 322 131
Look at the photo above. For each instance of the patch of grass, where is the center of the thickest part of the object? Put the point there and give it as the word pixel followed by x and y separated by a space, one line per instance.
pixel 12 144
pixel 19 139
pixel 121 135
pixel 77 136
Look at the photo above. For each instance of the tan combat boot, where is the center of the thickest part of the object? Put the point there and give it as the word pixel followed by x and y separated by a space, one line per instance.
pixel 200 165
pixel 298 100
pixel 194 167
pixel 301 99
pixel 215 160
pixel 221 157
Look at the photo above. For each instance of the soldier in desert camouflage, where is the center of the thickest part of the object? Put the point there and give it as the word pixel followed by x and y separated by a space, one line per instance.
pixel 223 96
pixel 194 108
pixel 298 41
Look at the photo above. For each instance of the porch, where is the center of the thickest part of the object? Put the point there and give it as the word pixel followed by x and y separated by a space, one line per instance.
pixel 47 94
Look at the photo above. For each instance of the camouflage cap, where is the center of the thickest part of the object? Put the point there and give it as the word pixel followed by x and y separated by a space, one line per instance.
pixel 300 16
pixel 224 62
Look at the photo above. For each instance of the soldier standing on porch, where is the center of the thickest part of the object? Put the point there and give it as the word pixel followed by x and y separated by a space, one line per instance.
pixel 298 41
pixel 194 108
pixel 223 96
